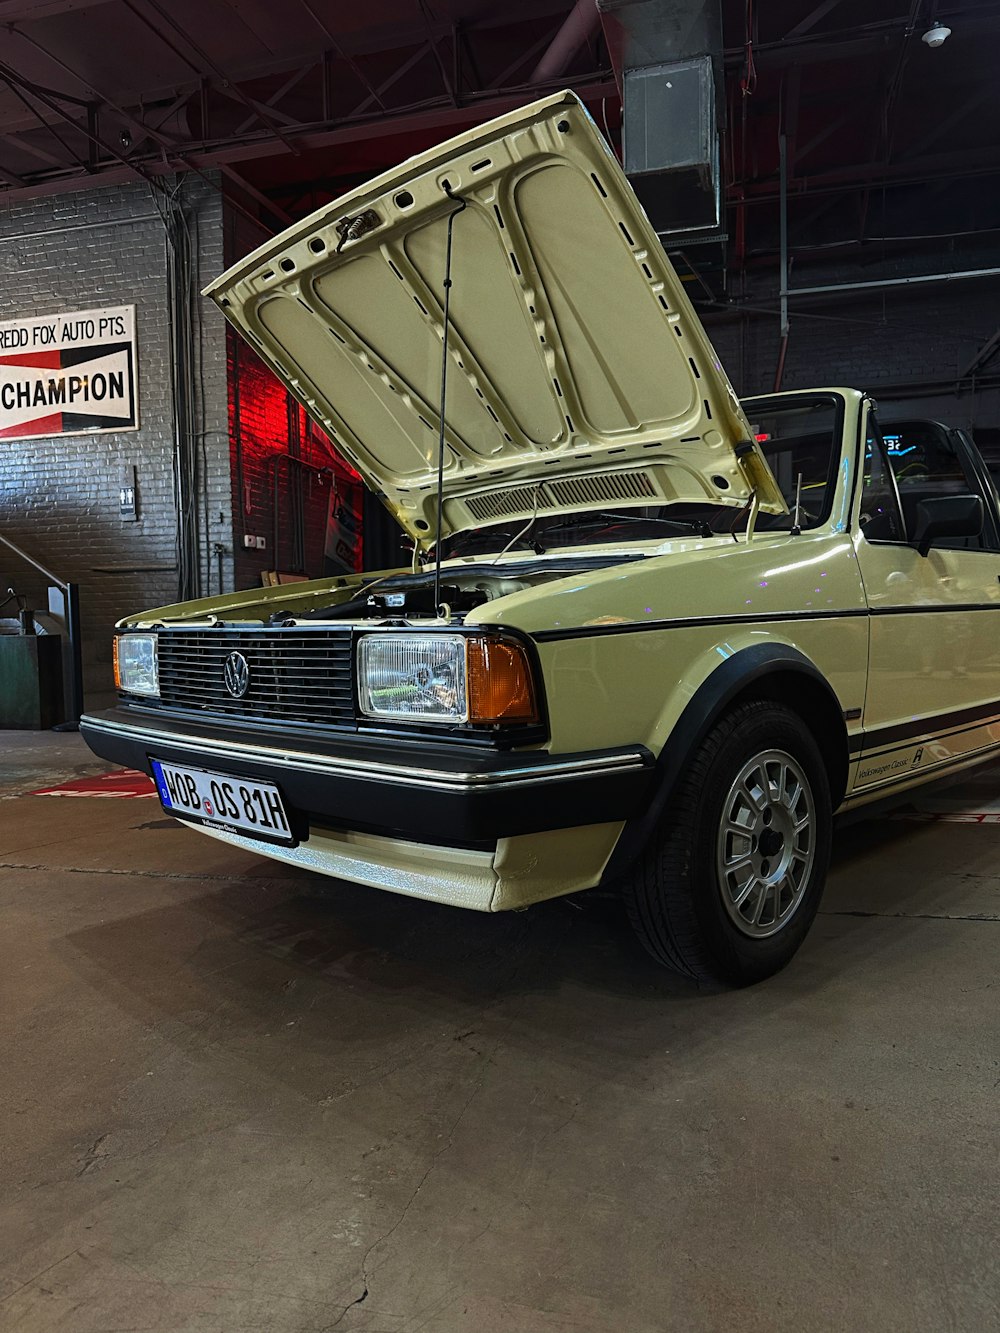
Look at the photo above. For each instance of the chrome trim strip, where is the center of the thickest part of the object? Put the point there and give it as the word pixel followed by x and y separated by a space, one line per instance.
pixel 402 774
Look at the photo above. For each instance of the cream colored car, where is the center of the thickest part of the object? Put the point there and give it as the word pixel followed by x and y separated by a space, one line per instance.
pixel 651 637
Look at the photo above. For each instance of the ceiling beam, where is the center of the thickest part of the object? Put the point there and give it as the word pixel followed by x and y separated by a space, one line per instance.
pixel 810 20
pixel 172 157
pixel 33 150
pixel 260 108
pixel 243 184
pixel 145 170
pixel 39 119
pixel 19 11
pixel 172 109
pixel 293 80
pixel 95 94
pixel 433 41
pixel 530 54
pixel 208 64
pixel 986 353
pixel 781 54
pixel 12 78
pixel 976 19
pixel 403 39
pixel 331 37
pixel 10 178
pixel 415 58
pixel 444 117
pixel 973 162
pixel 422 53
pixel 440 119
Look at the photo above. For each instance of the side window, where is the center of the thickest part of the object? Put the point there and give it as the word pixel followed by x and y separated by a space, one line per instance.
pixel 928 462
pixel 881 519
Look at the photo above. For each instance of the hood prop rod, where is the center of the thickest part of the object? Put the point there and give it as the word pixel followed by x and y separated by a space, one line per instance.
pixel 444 390
pixel 796 529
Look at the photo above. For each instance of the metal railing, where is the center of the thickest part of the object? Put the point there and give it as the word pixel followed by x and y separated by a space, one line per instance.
pixel 71 617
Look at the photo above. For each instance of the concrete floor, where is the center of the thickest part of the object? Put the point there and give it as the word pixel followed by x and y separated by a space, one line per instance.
pixel 236 1097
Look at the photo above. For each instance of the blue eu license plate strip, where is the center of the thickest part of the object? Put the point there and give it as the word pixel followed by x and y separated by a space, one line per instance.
pixel 222 801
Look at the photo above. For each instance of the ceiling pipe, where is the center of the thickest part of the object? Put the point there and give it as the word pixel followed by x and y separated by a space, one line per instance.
pixel 580 24
pixel 880 284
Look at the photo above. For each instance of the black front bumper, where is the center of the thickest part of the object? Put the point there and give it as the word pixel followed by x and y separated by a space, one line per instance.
pixel 423 792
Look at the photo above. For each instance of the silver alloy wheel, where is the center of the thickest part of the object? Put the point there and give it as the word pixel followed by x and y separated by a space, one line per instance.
pixel 766 843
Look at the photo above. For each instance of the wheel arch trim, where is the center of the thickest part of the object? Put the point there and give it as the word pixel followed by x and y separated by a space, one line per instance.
pixel 732 679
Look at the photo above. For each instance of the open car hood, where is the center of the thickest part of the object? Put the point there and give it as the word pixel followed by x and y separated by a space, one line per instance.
pixel 578 375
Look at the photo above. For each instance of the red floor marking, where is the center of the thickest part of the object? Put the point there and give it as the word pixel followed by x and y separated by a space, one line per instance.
pixel 123 782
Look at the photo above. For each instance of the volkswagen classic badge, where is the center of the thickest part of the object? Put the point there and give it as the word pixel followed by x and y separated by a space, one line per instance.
pixel 236 674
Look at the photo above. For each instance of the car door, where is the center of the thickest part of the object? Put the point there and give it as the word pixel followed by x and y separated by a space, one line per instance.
pixel 933 696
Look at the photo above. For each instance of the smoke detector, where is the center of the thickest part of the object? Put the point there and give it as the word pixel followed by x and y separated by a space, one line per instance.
pixel 936 35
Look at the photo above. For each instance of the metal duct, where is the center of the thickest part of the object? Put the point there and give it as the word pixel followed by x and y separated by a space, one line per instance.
pixel 668 55
pixel 581 22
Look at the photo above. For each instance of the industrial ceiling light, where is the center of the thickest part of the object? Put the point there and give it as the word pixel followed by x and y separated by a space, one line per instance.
pixel 936 35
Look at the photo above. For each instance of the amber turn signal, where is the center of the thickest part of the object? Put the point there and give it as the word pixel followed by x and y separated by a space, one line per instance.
pixel 499 682
pixel 118 674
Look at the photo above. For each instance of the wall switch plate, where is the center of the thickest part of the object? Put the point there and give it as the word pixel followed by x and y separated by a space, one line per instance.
pixel 249 541
pixel 261 543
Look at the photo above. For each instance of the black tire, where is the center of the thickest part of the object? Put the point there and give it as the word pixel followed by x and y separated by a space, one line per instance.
pixel 678 893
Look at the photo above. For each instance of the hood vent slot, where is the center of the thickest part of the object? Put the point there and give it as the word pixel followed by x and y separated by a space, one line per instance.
pixel 605 486
pixel 601 488
pixel 500 504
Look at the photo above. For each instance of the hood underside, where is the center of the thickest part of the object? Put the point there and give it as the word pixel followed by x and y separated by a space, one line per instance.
pixel 578 375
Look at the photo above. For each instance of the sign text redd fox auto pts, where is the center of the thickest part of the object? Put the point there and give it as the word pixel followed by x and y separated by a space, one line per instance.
pixel 68 374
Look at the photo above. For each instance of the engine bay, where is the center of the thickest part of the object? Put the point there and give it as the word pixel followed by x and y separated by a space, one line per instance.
pixel 406 596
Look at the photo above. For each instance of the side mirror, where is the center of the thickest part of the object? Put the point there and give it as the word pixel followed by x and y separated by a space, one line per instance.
pixel 947 516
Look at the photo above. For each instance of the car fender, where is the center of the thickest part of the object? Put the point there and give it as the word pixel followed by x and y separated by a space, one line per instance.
pixel 775 670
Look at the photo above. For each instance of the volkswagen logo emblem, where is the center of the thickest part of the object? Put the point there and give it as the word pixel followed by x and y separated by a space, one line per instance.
pixel 236 674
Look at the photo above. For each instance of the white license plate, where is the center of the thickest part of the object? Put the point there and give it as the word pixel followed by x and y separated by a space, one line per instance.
pixel 219 800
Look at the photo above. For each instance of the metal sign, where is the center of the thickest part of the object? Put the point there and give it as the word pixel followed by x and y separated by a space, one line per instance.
pixel 68 374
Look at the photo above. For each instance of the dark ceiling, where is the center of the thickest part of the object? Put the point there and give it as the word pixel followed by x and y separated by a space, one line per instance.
pixel 275 95
pixel 295 102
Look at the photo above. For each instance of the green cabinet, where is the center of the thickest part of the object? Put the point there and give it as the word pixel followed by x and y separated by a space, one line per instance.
pixel 31 690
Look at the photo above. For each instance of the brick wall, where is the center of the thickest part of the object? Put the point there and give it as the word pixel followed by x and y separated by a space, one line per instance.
pixel 59 496
pixel 906 345
pixel 283 467
pixel 285 473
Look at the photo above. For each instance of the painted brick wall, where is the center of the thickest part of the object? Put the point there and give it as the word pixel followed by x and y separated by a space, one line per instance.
pixel 283 469
pixel 907 346
pixel 274 496
pixel 59 496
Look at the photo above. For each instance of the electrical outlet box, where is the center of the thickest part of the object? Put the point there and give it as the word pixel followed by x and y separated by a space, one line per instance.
pixel 261 543
pixel 249 541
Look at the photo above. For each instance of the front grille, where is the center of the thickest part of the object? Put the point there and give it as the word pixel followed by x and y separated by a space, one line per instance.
pixel 295 675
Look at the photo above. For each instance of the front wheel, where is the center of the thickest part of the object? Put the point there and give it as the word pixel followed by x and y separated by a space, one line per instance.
pixel 731 882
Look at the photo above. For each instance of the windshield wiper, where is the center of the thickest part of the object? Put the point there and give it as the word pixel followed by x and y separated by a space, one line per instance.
pixel 681 525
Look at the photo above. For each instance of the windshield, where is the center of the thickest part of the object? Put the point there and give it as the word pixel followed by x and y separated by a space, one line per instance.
pixel 800 438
